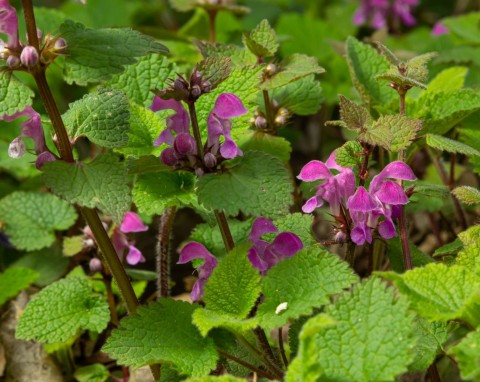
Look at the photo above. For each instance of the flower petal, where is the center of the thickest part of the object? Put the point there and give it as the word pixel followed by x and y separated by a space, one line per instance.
pixel 255 258
pixel 229 105
pixel 361 201
pixel 286 244
pixel 311 204
pixel 229 149
pixel 394 170
pixel 360 234
pixel 391 193
pixel 386 229
pixel 44 157
pixel 314 170
pixel 197 290
pixel 134 256
pixel 132 223
pixel 9 23
pixel 260 227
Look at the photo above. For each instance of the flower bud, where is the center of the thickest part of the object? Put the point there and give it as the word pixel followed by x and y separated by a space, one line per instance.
pixel 95 265
pixel 196 77
pixel 168 157
pixel 13 62
pixel 340 237
pixel 196 91
pixel 17 148
pixel 283 112
pixel 260 122
pixel 199 171
pixel 29 56
pixel 206 86
pixel 46 156
pixel 280 120
pixel 184 144
pixel 210 160
pixel 270 69
pixel 60 44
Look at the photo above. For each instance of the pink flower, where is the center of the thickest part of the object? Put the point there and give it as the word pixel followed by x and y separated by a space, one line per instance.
pixel 439 29
pixel 131 223
pixel 9 23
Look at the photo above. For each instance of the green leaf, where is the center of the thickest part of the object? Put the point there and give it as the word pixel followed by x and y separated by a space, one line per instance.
pixel 438 292
pixel 153 192
pixel 365 64
pixel 262 40
pixel 298 223
pixel 430 339
pixel 371 340
pixel 94 55
pixel 14 95
pixel 215 69
pixel 464 27
pixel 207 319
pixel 239 55
pixel 395 255
pixel 469 255
pixel 92 373
pixel 417 67
pixel 313 276
pixel 350 154
pixel 467 194
pixel 149 72
pixel 145 127
pixel 293 68
pixel 393 132
pixel 31 218
pixel 57 312
pixel 14 280
pixel 395 78
pixel 259 141
pixel 446 144
pixel 256 184
pixel 449 248
pixel 467 354
pixel 101 116
pixel 356 117
pixel 222 378
pixel 301 97
pixel 102 183
pixel 162 332
pixel 448 79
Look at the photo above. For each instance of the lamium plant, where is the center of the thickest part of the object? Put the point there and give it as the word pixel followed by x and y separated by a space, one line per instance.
pixel 199 209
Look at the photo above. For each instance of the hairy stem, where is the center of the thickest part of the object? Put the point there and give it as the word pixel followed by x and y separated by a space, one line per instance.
pixel 107 280
pixel 260 372
pixel 350 254
pixel 258 354
pixel 282 348
pixel 196 129
pixel 212 15
pixel 268 109
pixel 266 348
pixel 433 373
pixel 224 230
pixel 163 250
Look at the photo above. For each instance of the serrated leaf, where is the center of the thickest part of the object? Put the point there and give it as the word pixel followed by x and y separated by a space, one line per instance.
pixel 469 256
pixel 72 245
pixel 256 184
pixel 262 40
pixel 398 79
pixel 94 55
pixel 446 144
pixel 101 116
pixel 365 64
pixel 207 319
pixel 356 117
pixel 259 141
pixel 448 79
pixel 222 378
pixel 393 132
pixel 149 72
pixel 438 292
pixel 57 312
pixel 417 67
pixel 388 54
pixel 350 154
pixel 14 280
pixel 31 218
pixel 102 183
pixel 371 340
pixel 298 223
pixel 153 192
pixel 301 97
pixel 163 332
pixel 430 338
pixel 188 5
pixel 313 275
pixel 145 127
pixel 467 194
pixel 92 373
pixel 14 95
pixel 293 68
pixel 215 69
pixel 464 27
pixel 449 248
pixel 467 354
pixel 238 55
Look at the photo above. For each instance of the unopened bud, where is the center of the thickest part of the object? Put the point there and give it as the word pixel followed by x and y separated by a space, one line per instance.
pixel 60 44
pixel 13 62
pixel 206 86
pixel 95 265
pixel 168 157
pixel 210 160
pixel 270 69
pixel 199 171
pixel 29 56
pixel 196 91
pixel 260 122
pixel 283 112
pixel 17 148
pixel 196 77
pixel 44 157
pixel 340 237
pixel 184 144
pixel 280 120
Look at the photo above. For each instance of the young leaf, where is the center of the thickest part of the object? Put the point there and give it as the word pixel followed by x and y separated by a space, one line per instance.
pixel 304 281
pixel 215 69
pixel 239 55
pixel 101 116
pixel 468 256
pixel 96 372
pixel 262 40
pixel 222 378
pixel 356 117
pixel 350 154
pixel 150 72
pixel 60 310
pixel 102 183
pixel 207 319
pixel 467 194
pixel 467 354
pixel 163 332
pixel 256 184
pixel 446 144
pixel 94 55
pixel 417 66
pixel 14 95
pixel 155 191
pixel 31 218
pixel 395 78
pixel 448 79
pixel 14 280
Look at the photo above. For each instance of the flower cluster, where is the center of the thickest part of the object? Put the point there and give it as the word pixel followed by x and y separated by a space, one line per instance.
pixel 377 12
pixel 367 210
pixel 262 254
pixel 31 128
pixel 183 150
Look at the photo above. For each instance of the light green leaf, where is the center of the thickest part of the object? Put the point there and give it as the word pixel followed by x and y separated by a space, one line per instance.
pixel 262 40
pixel 31 218
pixel 448 79
pixel 356 117
pixel 467 194
pixel 464 27
pixel 239 55
pixel 94 55
pixel 395 78
pixel 256 184
pixel 446 144
pixel 215 69
pixel 298 223
pixel 258 140
pixel 222 378
pixel 162 332
pixel 102 183
pixel 417 67
pixel 207 319
pixel 14 95
pixel 293 68
pixel 313 276
pixel 393 132
pixel 467 354
pixel 14 280
pixel 350 154
pixel 92 373
pixel 155 191
pixel 149 72
pixel 371 340
pixel 449 248
pixel 101 116
pixel 469 256
pixel 57 312
pixel 438 292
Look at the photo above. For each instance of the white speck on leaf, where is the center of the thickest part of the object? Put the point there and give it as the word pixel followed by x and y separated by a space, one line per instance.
pixel 281 307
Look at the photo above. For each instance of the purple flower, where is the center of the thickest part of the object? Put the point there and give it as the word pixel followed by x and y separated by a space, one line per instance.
pixel 29 56
pixel 178 122
pixel 9 23
pixel 264 255
pixel 377 12
pixel 439 29
pixel 131 223
pixel 194 250
pixel 335 190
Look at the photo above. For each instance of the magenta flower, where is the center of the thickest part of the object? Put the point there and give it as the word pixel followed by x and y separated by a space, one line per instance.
pixel 439 29
pixel 335 190
pixel 264 255
pixel 131 223
pixel 194 250
pixel 178 122
pixel 9 24
pixel 377 12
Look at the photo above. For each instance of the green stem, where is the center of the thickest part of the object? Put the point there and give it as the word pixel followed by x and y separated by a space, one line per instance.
pixel 224 230
pixel 196 129
pixel 255 369
pixel 163 250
